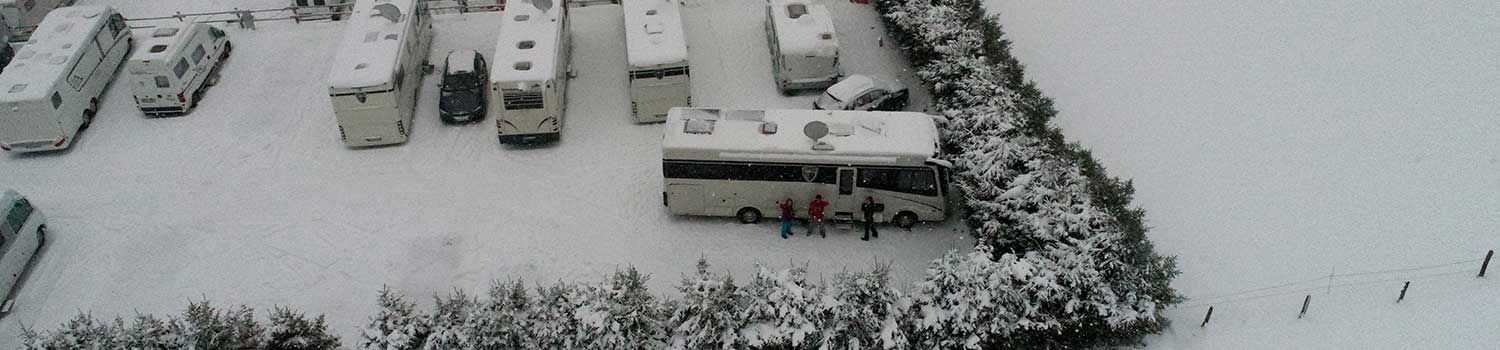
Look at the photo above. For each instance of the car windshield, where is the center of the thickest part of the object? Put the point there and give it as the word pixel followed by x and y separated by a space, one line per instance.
pixel 461 82
pixel 460 101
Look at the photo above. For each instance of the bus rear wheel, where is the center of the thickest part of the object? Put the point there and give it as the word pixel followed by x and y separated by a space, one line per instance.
pixel 749 215
pixel 905 220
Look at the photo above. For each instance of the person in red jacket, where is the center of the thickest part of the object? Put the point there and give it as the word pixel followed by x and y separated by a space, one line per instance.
pixel 787 215
pixel 815 210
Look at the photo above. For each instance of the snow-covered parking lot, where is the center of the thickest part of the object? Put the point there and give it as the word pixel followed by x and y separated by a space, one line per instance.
pixel 253 200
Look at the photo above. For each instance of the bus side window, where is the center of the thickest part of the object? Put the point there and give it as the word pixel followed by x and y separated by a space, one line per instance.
pixel 846 181
pixel 56 100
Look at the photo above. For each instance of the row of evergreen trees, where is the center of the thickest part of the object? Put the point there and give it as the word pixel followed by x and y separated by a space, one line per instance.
pixel 1069 262
pixel 202 326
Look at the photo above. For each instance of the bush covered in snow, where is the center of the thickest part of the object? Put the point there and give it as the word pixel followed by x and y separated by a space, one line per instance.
pixel 1066 261
pixel 201 326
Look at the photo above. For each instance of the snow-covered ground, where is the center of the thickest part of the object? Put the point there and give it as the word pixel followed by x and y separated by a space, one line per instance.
pixel 1277 142
pixel 253 200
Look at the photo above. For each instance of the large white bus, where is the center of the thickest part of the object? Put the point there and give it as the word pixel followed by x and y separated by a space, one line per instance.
pixel 52 87
pixel 21 234
pixel 375 76
pixel 21 17
pixel 658 59
pixel 529 76
pixel 178 63
pixel 739 163
pixel 804 46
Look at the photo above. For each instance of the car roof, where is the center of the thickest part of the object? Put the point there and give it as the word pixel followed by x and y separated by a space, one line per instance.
pixel 461 61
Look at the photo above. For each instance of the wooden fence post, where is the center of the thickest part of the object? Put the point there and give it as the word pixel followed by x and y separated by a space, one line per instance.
pixel 1403 292
pixel 1207 316
pixel 1486 265
pixel 1305 301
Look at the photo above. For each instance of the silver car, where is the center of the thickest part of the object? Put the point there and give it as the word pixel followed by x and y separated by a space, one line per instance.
pixel 863 93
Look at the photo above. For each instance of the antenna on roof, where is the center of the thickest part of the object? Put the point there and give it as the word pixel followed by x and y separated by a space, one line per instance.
pixel 389 11
pixel 817 130
pixel 543 5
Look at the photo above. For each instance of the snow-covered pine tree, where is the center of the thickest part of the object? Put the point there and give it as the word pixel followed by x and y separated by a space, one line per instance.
pixel 553 320
pixel 397 326
pixel 779 310
pixel 149 332
pixel 630 317
pixel 860 310
pixel 206 327
pixel 707 317
pixel 500 321
pixel 291 330
pixel 448 322
pixel 81 332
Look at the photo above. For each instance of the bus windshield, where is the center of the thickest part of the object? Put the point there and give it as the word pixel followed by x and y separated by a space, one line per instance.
pixel 16 217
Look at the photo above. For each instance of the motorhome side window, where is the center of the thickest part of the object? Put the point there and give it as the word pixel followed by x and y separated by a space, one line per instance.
pixel 913 181
pixel 56 100
pixel 181 68
pixel 163 82
pixel 796 10
pixel 198 54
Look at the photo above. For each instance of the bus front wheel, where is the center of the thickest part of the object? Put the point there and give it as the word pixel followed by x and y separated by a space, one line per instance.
pixel 749 215
pixel 905 220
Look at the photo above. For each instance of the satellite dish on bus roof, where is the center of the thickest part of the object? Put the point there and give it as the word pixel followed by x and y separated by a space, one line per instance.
pixel 543 5
pixel 389 11
pixel 815 129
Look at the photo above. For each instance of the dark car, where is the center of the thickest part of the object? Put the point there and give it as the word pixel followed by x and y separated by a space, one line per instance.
pixel 863 93
pixel 463 94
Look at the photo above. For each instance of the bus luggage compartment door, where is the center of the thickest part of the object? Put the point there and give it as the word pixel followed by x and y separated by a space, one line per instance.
pixel 685 199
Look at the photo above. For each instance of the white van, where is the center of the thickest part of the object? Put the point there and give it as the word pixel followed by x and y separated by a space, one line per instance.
pixel 52 88
pixel 374 80
pixel 804 46
pixel 23 16
pixel 177 64
pixel 21 236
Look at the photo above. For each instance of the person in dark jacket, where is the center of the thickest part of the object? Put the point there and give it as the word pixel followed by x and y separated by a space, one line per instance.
pixel 815 210
pixel 869 207
pixel 787 216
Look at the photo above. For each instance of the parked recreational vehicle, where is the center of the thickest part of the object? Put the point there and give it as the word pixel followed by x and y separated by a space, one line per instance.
pixel 52 88
pixel 373 85
pixel 739 163
pixel 804 46
pixel 529 76
pixel 22 16
pixel 658 58
pixel 319 9
pixel 21 236
pixel 178 63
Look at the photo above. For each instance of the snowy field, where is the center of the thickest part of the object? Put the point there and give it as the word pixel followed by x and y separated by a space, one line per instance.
pixel 253 200
pixel 1280 142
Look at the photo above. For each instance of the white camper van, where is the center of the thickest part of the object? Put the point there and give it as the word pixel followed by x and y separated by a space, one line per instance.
pixel 658 59
pixel 52 88
pixel 374 81
pixel 23 16
pixel 739 163
pixel 529 76
pixel 21 236
pixel 804 46
pixel 177 63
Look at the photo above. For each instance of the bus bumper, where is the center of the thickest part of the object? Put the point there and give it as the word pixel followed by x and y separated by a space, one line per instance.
pixel 529 139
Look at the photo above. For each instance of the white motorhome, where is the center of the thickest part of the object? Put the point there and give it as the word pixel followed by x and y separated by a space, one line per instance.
pixel 21 17
pixel 375 76
pixel 804 46
pixel 177 64
pixel 52 87
pixel 529 74
pixel 22 234
pixel 658 59
pixel 739 163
